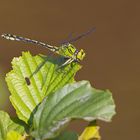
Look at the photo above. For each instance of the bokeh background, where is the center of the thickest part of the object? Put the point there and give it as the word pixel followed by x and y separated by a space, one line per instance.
pixel 112 52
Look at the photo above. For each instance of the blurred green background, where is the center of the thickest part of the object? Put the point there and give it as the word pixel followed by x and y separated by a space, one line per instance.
pixel 113 51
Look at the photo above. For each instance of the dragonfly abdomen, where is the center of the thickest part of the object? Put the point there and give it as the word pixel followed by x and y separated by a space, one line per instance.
pixel 18 38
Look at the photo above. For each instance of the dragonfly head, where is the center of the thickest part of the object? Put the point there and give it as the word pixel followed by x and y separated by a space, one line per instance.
pixel 80 55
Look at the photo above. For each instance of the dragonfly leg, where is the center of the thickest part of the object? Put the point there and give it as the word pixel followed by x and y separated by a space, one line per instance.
pixel 70 60
pixel 64 71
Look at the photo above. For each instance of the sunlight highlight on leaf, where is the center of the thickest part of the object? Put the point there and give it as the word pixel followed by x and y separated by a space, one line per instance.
pixel 13 135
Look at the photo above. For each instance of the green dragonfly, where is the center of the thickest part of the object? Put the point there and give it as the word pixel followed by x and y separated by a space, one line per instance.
pixel 67 50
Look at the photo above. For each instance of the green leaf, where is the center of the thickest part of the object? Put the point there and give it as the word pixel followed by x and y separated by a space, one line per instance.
pixel 73 101
pixel 7 125
pixel 27 93
pixel 90 132
pixel 13 135
pixel 4 94
pixel 67 135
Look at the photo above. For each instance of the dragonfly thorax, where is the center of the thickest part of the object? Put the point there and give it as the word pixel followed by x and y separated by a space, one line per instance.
pixel 69 51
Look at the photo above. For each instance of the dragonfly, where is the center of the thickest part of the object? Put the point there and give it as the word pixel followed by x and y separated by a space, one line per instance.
pixel 67 50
